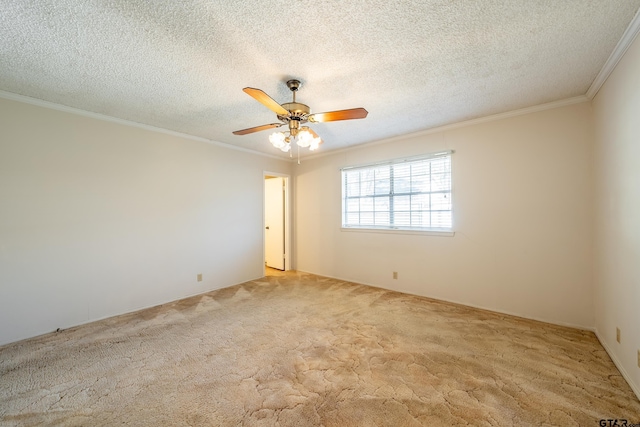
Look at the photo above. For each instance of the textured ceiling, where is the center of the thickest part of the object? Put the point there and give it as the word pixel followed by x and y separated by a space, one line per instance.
pixel 414 65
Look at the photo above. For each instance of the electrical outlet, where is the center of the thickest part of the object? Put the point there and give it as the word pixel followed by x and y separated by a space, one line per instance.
pixel 200 277
pixel 618 334
pixel 395 274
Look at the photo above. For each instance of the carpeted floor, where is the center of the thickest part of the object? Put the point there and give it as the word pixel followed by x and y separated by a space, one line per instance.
pixel 302 350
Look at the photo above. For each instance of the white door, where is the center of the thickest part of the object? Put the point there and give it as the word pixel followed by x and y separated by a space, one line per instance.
pixel 274 222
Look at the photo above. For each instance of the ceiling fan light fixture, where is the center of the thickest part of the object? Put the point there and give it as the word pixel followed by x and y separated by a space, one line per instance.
pixel 277 139
pixel 304 139
pixel 286 147
pixel 308 138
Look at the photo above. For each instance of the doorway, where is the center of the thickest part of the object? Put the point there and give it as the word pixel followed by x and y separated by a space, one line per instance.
pixel 276 221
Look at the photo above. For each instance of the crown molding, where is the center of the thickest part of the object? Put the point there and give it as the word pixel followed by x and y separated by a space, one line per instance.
pixel 59 107
pixel 627 38
pixel 479 120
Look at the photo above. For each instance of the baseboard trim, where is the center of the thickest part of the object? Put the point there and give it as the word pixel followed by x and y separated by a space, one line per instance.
pixel 616 362
pixel 611 354
pixel 492 310
pixel 135 310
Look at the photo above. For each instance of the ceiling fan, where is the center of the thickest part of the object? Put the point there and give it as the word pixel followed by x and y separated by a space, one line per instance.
pixel 294 114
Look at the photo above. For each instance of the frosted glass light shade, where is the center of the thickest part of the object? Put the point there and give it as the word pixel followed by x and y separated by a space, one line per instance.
pixel 277 139
pixel 304 139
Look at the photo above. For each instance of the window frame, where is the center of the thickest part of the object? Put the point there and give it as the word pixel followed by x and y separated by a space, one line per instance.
pixel 397 229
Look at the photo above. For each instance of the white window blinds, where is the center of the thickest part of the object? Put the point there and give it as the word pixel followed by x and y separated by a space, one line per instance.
pixel 409 194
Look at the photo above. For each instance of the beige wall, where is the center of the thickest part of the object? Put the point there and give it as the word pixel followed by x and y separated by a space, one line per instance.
pixel 522 201
pixel 617 206
pixel 98 218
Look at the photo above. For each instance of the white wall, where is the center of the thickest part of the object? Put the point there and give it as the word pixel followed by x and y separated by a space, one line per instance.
pixel 522 200
pixel 99 218
pixel 617 220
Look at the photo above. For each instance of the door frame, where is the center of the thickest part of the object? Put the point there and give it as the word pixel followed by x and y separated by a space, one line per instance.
pixel 287 219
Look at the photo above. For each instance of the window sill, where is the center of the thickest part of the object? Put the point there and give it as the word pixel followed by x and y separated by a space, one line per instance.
pixel 400 231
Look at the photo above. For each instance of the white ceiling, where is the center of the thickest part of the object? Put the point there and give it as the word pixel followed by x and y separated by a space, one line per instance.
pixel 413 64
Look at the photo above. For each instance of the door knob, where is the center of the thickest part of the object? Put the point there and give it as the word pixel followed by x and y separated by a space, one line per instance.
pixel 267 227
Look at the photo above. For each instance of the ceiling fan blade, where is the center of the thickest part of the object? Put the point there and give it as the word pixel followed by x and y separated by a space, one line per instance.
pixel 334 116
pixel 266 100
pixel 257 128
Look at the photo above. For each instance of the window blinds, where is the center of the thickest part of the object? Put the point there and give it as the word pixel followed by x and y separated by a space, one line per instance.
pixel 412 194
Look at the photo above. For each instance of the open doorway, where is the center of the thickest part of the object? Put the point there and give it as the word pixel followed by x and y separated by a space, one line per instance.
pixel 276 222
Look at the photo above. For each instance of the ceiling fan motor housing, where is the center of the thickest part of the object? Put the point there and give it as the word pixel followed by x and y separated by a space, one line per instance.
pixel 296 111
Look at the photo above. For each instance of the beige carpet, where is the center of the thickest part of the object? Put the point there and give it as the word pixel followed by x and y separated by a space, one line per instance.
pixel 301 350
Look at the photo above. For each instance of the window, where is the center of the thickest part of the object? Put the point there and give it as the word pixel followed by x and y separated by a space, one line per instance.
pixel 404 194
